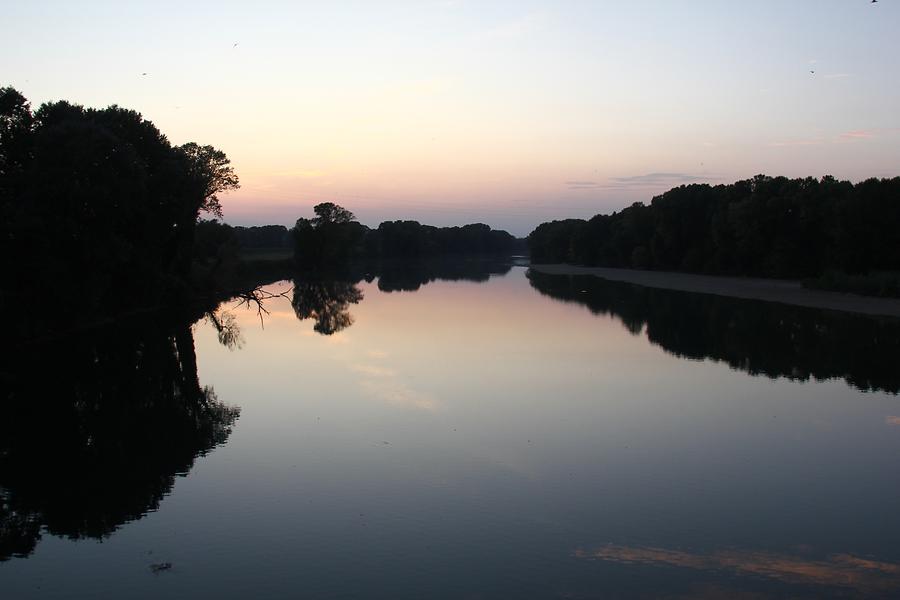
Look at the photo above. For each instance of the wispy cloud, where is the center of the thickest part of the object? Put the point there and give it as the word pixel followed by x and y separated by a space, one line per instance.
pixel 387 385
pixel 658 179
pixel 892 420
pixel 649 180
pixel 853 135
pixel 799 142
pixel 399 394
pixel 858 134
pixel 374 371
pixel 582 185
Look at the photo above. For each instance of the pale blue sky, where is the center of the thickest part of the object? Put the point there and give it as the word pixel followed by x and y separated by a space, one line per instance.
pixel 509 113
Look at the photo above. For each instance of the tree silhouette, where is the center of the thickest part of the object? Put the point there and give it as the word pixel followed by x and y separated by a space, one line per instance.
pixel 97 202
pixel 334 237
pixel 211 171
pixel 765 226
pixel 328 213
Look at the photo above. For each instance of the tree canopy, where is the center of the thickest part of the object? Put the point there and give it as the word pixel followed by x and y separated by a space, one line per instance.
pixel 765 226
pixel 98 202
pixel 334 236
pixel 329 213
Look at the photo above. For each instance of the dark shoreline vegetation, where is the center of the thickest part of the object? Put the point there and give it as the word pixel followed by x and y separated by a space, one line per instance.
pixel 98 205
pixel 833 234
pixel 335 240
pixel 104 408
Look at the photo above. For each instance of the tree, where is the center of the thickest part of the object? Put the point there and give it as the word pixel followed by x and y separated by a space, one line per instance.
pixel 329 213
pixel 211 171
pixel 764 226
pixel 333 236
pixel 16 122
pixel 98 202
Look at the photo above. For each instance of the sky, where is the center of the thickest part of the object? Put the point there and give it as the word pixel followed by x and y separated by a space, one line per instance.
pixel 459 111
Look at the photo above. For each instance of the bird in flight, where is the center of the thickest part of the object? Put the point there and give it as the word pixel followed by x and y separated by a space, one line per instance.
pixel 143 74
pixel 235 45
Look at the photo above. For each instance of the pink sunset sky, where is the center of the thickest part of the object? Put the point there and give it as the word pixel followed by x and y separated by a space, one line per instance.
pixel 507 113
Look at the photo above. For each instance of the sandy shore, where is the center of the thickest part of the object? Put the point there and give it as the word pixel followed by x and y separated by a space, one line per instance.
pixel 769 290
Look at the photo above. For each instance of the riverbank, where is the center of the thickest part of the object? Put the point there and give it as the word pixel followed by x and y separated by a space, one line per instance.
pixel 768 290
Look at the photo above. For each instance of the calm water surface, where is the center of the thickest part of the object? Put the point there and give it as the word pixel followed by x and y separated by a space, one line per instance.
pixel 525 436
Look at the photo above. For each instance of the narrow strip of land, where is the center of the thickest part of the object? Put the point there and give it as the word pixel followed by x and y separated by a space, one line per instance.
pixel 769 290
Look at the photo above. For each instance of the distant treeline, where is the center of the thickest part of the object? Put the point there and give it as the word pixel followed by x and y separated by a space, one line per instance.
pixel 334 236
pixel 98 206
pixel 100 219
pixel 765 226
pixel 262 236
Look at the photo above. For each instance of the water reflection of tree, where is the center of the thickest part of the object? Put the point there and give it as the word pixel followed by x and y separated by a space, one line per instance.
pixel 228 331
pixel 327 302
pixel 94 431
pixel 326 297
pixel 410 275
pixel 761 338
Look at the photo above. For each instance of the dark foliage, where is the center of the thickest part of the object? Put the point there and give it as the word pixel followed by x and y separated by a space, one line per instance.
pixel 760 338
pixel 265 236
pixel 330 238
pixel 765 226
pixel 213 240
pixel 98 203
pixel 411 239
pixel 334 237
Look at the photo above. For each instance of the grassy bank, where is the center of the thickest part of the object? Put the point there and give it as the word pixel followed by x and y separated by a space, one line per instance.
pixel 883 284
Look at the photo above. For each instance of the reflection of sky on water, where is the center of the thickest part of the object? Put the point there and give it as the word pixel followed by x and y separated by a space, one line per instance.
pixel 464 439
pixel 602 430
pixel 840 570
